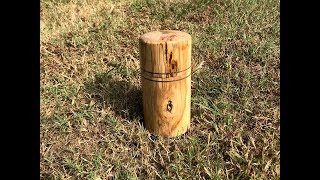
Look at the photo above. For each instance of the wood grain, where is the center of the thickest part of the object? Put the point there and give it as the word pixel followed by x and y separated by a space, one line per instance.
pixel 165 61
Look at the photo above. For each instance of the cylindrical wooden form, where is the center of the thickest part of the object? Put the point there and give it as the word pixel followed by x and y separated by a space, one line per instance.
pixel 165 61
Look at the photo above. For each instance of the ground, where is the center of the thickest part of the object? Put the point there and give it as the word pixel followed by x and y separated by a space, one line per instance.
pixel 91 114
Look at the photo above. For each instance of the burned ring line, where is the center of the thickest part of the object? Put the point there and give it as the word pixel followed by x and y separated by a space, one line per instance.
pixel 165 73
pixel 165 80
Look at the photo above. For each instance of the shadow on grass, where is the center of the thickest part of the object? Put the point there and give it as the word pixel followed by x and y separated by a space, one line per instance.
pixel 124 98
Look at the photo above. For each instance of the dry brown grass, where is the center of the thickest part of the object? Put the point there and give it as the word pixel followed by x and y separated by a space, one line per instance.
pixel 91 93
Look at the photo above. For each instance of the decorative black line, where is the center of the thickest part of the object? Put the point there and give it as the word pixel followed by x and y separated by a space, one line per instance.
pixel 166 81
pixel 166 73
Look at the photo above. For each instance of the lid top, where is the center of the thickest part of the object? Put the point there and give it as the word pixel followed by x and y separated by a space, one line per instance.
pixel 164 36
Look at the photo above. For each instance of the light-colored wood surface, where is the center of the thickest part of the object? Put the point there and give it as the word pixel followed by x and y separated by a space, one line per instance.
pixel 165 60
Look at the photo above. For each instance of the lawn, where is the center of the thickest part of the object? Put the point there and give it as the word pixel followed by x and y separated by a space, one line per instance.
pixel 90 90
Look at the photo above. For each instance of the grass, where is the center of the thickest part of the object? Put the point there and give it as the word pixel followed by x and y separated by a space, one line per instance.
pixel 91 116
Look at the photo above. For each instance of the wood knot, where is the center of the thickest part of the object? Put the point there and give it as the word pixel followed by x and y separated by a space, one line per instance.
pixel 169 106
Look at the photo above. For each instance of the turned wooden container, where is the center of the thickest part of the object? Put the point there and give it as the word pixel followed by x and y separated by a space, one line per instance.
pixel 165 61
